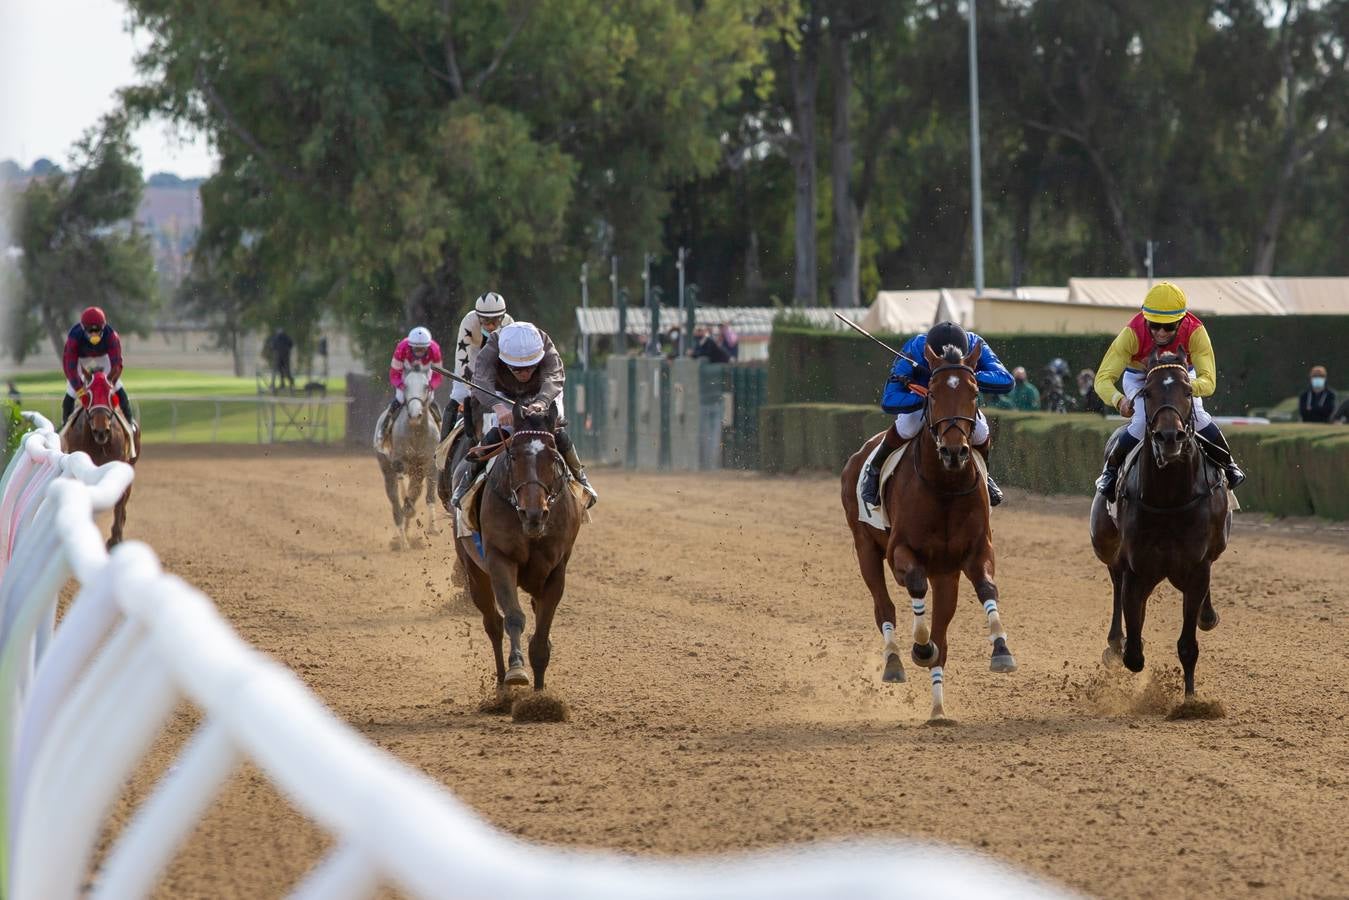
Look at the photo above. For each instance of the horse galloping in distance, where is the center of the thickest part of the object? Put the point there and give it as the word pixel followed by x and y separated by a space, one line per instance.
pixel 95 428
pixel 410 460
pixel 1172 521
pixel 528 519
pixel 937 504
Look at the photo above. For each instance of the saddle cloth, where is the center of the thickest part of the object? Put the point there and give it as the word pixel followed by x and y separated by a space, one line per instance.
pixel 875 516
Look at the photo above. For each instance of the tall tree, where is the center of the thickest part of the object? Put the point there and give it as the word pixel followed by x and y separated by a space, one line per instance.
pixel 80 245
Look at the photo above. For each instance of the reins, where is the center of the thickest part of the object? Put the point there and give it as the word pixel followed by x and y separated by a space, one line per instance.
pixel 1191 436
pixel 937 435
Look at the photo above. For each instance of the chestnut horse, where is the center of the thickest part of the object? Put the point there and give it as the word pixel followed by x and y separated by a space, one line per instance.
pixel 937 504
pixel 1172 521
pixel 94 430
pixel 529 520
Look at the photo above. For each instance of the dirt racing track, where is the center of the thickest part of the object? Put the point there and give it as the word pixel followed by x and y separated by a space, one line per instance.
pixel 717 651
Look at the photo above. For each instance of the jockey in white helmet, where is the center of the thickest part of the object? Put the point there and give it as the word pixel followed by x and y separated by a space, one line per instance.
pixel 416 349
pixel 520 362
pixel 488 315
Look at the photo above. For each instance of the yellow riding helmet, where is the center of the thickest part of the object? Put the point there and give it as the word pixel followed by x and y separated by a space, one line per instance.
pixel 1164 303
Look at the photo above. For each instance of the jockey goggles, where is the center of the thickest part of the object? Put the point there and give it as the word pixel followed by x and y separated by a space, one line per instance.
pixel 1164 326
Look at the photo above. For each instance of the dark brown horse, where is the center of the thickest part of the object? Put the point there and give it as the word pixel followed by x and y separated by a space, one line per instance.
pixel 95 430
pixel 529 519
pixel 937 505
pixel 1172 521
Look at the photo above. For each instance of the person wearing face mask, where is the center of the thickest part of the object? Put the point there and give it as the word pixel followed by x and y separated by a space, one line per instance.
pixel 1023 396
pixel 1163 323
pixel 1317 403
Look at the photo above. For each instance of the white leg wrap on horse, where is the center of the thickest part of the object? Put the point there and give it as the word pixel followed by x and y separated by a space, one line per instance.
pixel 937 705
pixel 888 632
pixel 994 620
pixel 922 625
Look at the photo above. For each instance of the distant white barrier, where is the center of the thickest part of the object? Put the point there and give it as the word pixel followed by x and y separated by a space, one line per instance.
pixel 80 707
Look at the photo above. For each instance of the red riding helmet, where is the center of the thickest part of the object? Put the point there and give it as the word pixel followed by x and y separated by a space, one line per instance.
pixel 93 318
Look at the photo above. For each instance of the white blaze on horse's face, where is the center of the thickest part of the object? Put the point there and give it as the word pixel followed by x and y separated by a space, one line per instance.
pixel 536 446
pixel 953 381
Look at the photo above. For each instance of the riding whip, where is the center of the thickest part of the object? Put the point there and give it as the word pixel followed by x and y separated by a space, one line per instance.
pixel 453 377
pixel 862 331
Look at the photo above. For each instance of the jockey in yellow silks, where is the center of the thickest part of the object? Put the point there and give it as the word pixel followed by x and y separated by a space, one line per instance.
pixel 1162 324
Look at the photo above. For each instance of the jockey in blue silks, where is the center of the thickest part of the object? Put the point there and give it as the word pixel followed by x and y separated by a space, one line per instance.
pixel 908 405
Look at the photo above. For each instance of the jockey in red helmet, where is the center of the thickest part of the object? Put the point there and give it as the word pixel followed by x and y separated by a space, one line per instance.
pixel 92 345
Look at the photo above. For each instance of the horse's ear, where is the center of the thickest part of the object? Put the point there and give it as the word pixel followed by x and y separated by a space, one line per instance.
pixel 930 357
pixel 972 357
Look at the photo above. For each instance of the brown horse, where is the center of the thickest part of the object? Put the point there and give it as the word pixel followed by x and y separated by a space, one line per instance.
pixel 529 520
pixel 937 504
pixel 95 430
pixel 1172 521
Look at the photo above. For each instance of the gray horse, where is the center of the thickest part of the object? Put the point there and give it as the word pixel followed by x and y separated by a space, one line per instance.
pixel 408 459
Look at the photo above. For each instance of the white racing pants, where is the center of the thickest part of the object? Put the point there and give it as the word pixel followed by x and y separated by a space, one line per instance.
pixel 910 423
pixel 1132 383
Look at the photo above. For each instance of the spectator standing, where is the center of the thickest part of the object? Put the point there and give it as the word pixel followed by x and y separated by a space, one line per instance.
pixel 1317 402
pixel 1086 387
pixel 729 340
pixel 282 344
pixel 14 393
pixel 1023 396
pixel 704 347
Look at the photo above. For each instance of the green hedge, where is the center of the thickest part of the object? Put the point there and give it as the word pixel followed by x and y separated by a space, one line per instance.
pixel 1294 470
pixel 1261 359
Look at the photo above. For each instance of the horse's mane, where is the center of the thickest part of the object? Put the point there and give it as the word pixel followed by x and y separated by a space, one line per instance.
pixel 952 354
pixel 545 421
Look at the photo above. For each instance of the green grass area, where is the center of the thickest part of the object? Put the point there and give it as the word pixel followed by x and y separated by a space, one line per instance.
pixel 147 383
pixel 199 419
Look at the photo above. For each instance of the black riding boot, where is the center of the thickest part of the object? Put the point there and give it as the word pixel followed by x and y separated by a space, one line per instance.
pixel 1216 448
pixel 447 422
pixel 125 402
pixel 568 451
pixel 67 409
pixel 871 475
pixel 1110 474
pixel 394 406
pixel 994 492
pixel 470 468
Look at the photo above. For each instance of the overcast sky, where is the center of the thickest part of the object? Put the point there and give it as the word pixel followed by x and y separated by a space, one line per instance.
pixel 60 63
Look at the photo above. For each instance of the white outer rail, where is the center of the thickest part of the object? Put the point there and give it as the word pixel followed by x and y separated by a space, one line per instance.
pixel 80 709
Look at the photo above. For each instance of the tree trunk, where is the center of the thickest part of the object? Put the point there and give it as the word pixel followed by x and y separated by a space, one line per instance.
pixel 805 66
pixel 1114 198
pixel 846 260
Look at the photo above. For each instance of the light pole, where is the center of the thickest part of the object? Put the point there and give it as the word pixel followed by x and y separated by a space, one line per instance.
pixel 585 303
pixel 976 189
pixel 679 264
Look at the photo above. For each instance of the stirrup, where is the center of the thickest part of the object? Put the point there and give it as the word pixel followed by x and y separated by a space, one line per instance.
pixel 1107 482
pixel 871 485
pixel 1235 476
pixel 994 492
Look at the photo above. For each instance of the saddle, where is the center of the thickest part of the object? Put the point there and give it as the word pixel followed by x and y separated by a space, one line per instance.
pixel 1130 461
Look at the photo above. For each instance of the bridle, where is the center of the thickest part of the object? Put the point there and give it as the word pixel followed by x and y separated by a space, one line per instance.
pixel 1186 422
pixel 935 426
pixel 559 480
pixel 938 428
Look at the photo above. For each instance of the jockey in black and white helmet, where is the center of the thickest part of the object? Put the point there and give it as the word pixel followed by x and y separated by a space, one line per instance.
pixel 487 316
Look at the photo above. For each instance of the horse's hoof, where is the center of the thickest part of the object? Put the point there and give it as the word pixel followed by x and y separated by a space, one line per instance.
pixel 926 656
pixel 1133 663
pixel 1112 658
pixel 939 720
pixel 1208 618
pixel 1002 662
pixel 516 675
pixel 894 670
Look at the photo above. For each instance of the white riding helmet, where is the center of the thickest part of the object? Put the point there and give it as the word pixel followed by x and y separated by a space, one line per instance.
pixel 420 337
pixel 520 344
pixel 490 305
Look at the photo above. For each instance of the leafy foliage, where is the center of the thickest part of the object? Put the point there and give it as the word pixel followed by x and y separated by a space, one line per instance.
pixel 77 246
